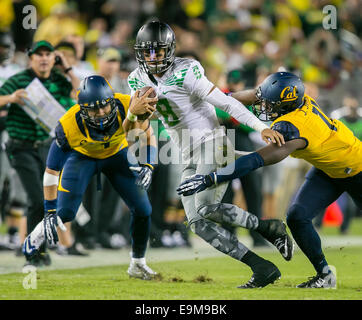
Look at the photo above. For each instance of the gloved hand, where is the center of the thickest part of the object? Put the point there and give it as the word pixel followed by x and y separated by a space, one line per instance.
pixel 144 176
pixel 51 222
pixel 46 230
pixel 196 183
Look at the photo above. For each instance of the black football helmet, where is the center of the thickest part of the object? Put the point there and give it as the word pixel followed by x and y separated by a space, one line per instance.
pixel 7 46
pixel 279 94
pixel 95 92
pixel 152 37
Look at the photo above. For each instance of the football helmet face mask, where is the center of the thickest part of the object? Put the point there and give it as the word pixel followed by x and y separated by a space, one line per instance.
pixel 155 47
pixel 279 94
pixel 95 93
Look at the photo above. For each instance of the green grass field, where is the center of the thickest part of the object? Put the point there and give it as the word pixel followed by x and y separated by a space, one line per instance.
pixel 212 279
pixel 209 278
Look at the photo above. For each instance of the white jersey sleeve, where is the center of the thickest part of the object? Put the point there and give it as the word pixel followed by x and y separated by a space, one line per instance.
pixel 236 109
pixel 196 83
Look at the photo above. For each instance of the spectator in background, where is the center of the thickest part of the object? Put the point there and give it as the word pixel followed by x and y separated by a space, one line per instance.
pixel 81 67
pixel 353 115
pixel 70 53
pixel 29 143
pixel 109 63
pixel 13 198
pixel 62 21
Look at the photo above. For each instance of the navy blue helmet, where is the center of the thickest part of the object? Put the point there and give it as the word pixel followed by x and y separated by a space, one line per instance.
pixel 95 92
pixel 279 94
pixel 150 38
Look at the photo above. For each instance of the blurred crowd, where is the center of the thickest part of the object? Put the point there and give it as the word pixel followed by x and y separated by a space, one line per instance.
pixel 238 42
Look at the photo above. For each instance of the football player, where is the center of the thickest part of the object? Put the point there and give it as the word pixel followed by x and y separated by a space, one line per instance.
pixel 327 144
pixel 186 100
pixel 90 139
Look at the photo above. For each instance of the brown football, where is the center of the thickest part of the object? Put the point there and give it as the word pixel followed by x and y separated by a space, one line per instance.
pixel 151 95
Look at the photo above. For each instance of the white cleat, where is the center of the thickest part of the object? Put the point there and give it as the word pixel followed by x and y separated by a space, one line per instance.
pixel 139 269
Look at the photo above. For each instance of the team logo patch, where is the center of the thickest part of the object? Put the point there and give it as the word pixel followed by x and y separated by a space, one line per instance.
pixel 289 94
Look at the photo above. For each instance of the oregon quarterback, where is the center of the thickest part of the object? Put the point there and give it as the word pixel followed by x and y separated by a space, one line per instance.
pixel 332 149
pixel 90 139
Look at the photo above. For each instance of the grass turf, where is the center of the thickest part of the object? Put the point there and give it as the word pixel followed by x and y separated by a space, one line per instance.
pixel 211 279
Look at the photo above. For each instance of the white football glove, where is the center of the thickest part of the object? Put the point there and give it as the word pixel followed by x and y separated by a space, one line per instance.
pixel 144 178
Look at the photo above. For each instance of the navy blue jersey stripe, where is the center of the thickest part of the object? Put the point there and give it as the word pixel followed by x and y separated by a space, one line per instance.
pixel 61 138
pixel 121 109
pixel 79 121
pixel 330 126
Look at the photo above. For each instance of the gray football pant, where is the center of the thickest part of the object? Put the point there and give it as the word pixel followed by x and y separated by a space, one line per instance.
pixel 203 208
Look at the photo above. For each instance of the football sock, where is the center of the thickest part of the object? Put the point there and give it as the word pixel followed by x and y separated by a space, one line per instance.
pixel 252 260
pixel 140 232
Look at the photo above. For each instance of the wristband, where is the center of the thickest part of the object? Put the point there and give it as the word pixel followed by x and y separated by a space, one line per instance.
pixel 68 69
pixel 50 205
pixel 131 117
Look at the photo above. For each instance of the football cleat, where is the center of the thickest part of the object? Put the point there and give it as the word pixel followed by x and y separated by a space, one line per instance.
pixel 39 259
pixel 34 240
pixel 140 270
pixel 321 280
pixel 268 274
pixel 276 233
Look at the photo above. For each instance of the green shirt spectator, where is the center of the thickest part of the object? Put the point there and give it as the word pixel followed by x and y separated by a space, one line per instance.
pixel 18 124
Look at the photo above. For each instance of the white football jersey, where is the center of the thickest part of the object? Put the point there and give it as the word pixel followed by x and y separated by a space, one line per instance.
pixel 188 119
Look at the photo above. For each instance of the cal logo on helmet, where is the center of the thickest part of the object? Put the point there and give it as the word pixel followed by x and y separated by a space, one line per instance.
pixel 289 94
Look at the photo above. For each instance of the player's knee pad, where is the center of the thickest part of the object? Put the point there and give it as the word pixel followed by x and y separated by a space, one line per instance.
pixel 66 214
pixel 296 215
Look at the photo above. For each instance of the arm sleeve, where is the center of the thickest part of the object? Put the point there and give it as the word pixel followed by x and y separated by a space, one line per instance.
pixel 56 157
pixel 241 167
pixel 235 108
pixel 197 84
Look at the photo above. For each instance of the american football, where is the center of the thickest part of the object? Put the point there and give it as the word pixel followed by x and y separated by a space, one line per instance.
pixel 153 94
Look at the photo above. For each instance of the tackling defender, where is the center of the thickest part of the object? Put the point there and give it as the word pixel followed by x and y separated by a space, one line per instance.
pixel 90 139
pixel 332 149
pixel 186 107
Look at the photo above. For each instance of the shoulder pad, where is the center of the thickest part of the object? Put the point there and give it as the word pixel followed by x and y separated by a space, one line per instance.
pixel 287 129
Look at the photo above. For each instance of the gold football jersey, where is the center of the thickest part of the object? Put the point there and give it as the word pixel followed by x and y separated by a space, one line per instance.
pixel 331 146
pixel 86 140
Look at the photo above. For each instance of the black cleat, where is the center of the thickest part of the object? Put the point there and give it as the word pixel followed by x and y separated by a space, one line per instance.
pixel 321 280
pixel 39 260
pixel 276 233
pixel 268 273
